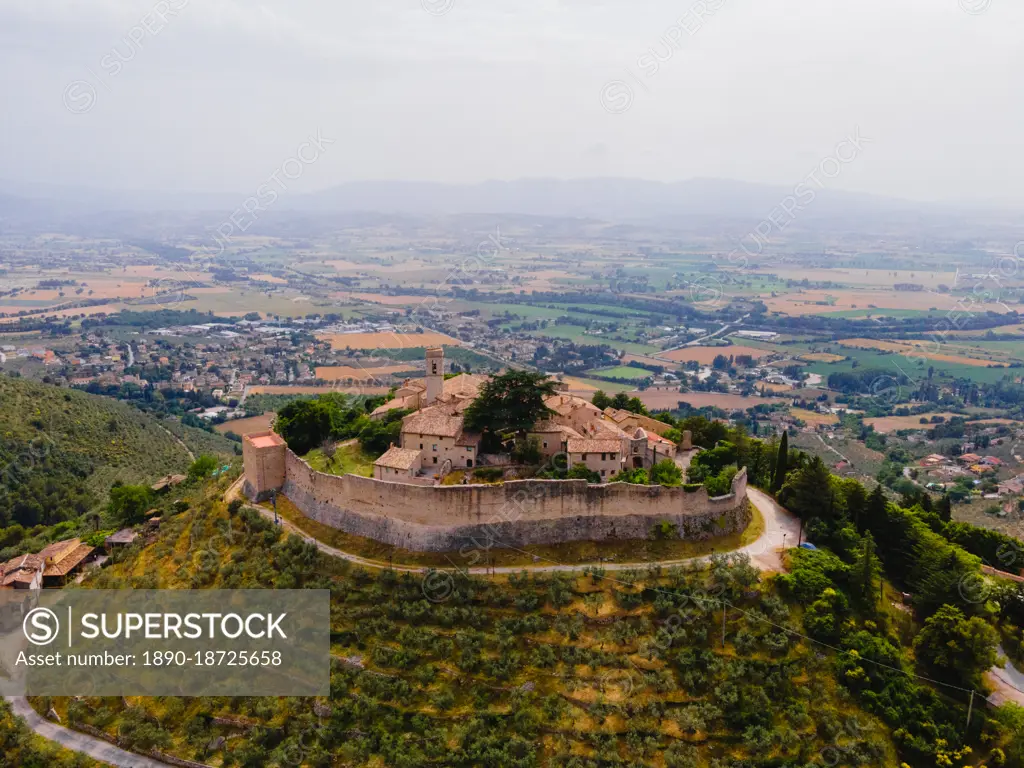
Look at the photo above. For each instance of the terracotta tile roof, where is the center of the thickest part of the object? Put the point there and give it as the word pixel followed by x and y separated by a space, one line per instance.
pixel 606 430
pixel 468 438
pixel 69 561
pixel 656 438
pixel 399 458
pixel 566 404
pixel 463 385
pixel 57 551
pixel 436 421
pixel 547 426
pixel 397 403
pixel 171 480
pixel 124 536
pixel 585 445
pixel 20 570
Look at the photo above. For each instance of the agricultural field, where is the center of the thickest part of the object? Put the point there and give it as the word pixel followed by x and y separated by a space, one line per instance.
pixel 896 423
pixel 868 278
pixel 813 418
pixel 821 301
pixel 911 364
pixel 297 389
pixel 388 340
pixel 247 426
pixel 662 399
pixel 821 357
pixel 346 372
pixel 961 354
pixel 622 372
pixel 706 355
pixel 579 335
pixel 580 385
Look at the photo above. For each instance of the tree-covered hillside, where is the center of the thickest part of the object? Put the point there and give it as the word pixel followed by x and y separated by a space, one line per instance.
pixel 61 450
pixel 713 665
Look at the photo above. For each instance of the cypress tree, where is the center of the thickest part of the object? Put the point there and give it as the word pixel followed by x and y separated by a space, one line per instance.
pixel 945 509
pixel 780 463
pixel 876 510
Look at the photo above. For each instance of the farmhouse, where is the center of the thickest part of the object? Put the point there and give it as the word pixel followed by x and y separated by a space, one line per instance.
pixel 64 559
pixel 23 572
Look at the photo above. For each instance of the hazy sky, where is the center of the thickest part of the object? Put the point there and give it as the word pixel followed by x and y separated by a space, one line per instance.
pixel 216 94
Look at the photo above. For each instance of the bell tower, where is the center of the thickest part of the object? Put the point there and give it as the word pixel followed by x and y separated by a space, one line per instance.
pixel 435 374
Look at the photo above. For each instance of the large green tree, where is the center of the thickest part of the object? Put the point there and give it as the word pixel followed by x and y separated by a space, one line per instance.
pixel 808 491
pixel 202 467
pixel 509 403
pixel 129 503
pixel 955 647
pixel 306 424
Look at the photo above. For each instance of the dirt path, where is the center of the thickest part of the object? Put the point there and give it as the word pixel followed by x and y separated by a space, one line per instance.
pixel 191 456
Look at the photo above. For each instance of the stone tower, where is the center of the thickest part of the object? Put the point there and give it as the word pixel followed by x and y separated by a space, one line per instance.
pixel 263 454
pixel 435 374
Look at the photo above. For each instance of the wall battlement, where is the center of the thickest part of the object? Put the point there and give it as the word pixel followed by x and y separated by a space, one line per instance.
pixel 515 513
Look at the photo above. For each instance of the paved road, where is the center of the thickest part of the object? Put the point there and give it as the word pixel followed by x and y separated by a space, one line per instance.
pixel 79 742
pixel 705 337
pixel 779 526
pixel 1007 683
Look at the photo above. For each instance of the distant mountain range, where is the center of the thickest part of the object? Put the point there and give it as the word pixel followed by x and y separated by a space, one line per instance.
pixel 615 200
pixel 610 199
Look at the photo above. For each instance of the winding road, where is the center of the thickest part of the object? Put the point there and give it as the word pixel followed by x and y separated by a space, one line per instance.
pixel 95 748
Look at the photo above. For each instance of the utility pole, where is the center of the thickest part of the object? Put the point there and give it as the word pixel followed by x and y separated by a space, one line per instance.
pixel 724 612
pixel 970 709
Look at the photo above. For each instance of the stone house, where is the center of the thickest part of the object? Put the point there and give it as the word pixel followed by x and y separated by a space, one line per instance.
pixel 437 432
pixel 398 464
pixel 604 456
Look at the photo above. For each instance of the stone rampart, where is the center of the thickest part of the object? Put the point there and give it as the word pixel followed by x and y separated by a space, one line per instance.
pixel 515 513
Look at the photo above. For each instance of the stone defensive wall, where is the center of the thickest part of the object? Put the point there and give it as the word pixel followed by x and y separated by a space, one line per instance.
pixel 514 513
